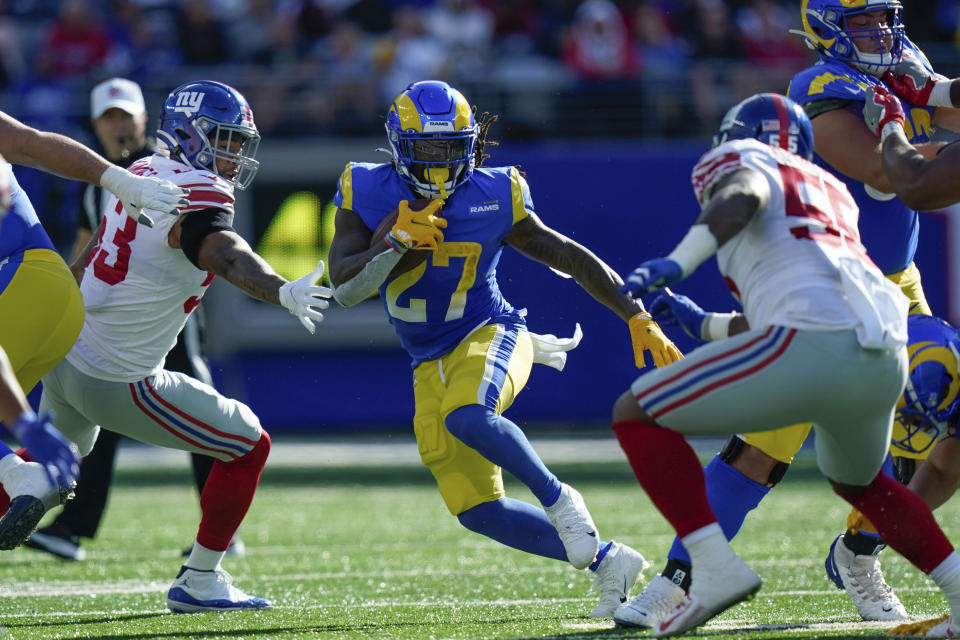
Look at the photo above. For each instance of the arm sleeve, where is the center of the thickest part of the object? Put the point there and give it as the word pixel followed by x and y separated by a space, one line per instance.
pixel 816 107
pixel 197 226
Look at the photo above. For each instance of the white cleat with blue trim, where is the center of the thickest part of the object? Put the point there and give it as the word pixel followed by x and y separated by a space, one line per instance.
pixel 195 590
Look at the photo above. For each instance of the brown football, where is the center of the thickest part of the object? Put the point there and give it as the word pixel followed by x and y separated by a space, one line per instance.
pixel 411 258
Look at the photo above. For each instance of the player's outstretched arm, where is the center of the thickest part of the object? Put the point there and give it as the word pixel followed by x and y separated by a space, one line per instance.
pixel 538 242
pixel 229 256
pixel 922 183
pixel 68 158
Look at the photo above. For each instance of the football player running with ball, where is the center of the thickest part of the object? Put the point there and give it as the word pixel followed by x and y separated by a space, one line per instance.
pixel 471 351
pixel 139 287
pixel 822 321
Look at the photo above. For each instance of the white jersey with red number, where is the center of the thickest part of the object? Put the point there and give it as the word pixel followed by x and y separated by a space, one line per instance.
pixel 138 290
pixel 799 263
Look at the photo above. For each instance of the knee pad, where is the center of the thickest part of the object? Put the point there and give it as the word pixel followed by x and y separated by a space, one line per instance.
pixel 734 448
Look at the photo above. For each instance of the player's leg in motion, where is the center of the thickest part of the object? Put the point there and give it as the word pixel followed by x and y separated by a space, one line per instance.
pixel 737 480
pixel 173 410
pixel 466 449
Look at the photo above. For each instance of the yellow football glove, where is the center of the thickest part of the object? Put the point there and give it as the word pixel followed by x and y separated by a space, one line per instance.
pixel 419 229
pixel 916 629
pixel 647 336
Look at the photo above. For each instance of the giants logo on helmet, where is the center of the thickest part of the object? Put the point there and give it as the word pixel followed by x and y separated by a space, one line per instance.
pixel 188 102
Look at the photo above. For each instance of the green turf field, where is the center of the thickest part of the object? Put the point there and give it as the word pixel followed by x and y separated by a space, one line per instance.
pixel 372 553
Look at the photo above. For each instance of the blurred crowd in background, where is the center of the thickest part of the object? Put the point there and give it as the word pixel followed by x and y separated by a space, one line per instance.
pixel 597 68
pixel 615 69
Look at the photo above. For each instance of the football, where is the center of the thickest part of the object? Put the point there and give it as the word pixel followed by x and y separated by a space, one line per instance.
pixel 411 258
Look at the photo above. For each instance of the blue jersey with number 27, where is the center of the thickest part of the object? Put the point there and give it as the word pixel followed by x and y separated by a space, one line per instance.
pixel 437 304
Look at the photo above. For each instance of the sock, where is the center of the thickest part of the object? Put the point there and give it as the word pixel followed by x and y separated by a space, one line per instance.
pixel 227 495
pixel 678 571
pixel 732 496
pixel 204 559
pixel 947 577
pixel 670 473
pixel 24 457
pixel 904 521
pixel 604 550
pixel 708 546
pixel 504 444
pixel 516 524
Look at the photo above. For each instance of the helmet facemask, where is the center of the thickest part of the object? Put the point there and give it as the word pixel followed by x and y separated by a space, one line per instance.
pixel 435 165
pixel 828 30
pixel 222 139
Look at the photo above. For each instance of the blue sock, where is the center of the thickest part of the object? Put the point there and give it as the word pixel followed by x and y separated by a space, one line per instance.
pixel 732 496
pixel 5 451
pixel 516 524
pixel 503 443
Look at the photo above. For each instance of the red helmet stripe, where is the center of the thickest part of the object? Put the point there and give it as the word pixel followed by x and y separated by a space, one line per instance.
pixel 784 119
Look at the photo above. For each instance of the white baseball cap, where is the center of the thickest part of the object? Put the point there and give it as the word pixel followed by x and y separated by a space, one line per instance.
pixel 116 92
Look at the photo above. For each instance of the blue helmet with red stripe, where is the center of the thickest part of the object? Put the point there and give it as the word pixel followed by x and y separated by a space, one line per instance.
pixel 772 119
pixel 206 121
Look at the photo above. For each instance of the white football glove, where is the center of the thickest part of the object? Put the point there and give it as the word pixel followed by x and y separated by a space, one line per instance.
pixel 142 192
pixel 302 297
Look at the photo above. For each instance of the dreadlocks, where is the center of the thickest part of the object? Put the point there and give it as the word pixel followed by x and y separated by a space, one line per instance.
pixel 484 120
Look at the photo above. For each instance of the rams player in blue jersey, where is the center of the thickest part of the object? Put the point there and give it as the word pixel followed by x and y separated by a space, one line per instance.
pixel 41 311
pixel 858 42
pixel 470 348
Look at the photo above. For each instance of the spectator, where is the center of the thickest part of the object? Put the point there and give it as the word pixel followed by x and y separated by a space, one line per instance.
pixel 663 59
pixel 77 41
pixel 598 44
pixel 465 28
pixel 203 38
pixel 408 53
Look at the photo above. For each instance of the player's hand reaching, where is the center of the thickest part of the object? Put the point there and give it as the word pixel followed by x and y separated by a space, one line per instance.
pixel 418 229
pixel 675 310
pixel 651 276
pixel 143 192
pixel 880 109
pixel 647 336
pixel 303 298
pixel 913 82
pixel 47 446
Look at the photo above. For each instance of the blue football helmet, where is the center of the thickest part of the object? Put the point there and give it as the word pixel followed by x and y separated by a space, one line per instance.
pixel 928 408
pixel 826 30
pixel 433 136
pixel 772 119
pixel 205 121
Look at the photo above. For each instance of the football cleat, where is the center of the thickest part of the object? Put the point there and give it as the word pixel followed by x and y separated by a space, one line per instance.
pixel 57 540
pixel 942 627
pixel 195 590
pixel 713 591
pixel 615 576
pixel 655 603
pixel 860 576
pixel 575 526
pixel 31 497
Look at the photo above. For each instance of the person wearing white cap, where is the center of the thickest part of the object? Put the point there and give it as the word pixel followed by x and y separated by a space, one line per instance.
pixel 119 120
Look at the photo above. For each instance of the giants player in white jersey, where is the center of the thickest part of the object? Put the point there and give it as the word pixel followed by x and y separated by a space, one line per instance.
pixel 822 340
pixel 139 287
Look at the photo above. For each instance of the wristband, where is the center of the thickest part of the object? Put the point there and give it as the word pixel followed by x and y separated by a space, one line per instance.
pixel 940 94
pixel 891 128
pixel 716 326
pixel 698 245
